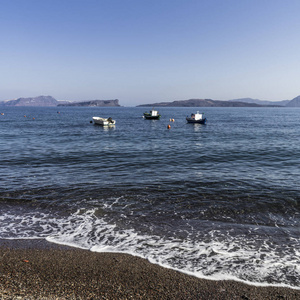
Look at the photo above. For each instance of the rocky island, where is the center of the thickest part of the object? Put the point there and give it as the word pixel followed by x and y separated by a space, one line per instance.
pixel 31 101
pixel 243 102
pixel 100 103
pixel 48 101
pixel 206 103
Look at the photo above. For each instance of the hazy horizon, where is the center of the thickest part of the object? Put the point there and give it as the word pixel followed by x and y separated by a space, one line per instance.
pixel 150 51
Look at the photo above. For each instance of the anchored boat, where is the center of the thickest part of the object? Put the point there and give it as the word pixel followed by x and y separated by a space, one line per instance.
pixel 152 115
pixel 103 121
pixel 196 118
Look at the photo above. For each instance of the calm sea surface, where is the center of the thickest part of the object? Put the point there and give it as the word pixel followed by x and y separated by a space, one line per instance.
pixel 220 201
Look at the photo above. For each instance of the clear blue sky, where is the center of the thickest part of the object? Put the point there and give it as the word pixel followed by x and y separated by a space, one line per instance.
pixel 144 51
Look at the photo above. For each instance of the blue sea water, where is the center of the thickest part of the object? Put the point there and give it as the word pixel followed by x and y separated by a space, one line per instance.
pixel 218 201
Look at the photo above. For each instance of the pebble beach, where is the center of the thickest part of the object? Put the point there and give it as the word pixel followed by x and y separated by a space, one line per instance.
pixel 36 269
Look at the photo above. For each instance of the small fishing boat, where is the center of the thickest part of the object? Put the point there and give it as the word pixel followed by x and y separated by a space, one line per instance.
pixel 103 121
pixel 196 118
pixel 152 115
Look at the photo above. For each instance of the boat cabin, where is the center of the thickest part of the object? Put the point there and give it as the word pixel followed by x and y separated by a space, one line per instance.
pixel 197 116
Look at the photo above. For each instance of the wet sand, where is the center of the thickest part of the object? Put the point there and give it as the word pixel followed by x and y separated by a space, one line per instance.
pixel 35 269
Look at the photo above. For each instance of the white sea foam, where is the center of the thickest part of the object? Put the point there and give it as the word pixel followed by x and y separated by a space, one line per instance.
pixel 216 255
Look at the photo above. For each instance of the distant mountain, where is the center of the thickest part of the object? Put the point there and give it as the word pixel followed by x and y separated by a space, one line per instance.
pixel 50 101
pixel 294 102
pixel 33 101
pixel 100 103
pixel 261 102
pixel 203 103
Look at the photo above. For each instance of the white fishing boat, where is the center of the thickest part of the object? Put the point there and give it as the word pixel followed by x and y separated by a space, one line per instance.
pixel 103 121
pixel 196 118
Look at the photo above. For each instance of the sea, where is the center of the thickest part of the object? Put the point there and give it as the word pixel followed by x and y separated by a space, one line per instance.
pixel 216 201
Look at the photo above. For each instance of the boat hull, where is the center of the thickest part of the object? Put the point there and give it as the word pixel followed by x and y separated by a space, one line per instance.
pixel 103 121
pixel 193 121
pixel 149 117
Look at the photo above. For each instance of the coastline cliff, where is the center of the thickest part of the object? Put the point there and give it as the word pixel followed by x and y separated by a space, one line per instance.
pixel 100 103
pixel 48 101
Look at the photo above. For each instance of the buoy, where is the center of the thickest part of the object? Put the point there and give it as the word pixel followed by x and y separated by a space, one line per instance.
pixel 33 118
pixel 173 120
pixel 91 122
pixel 24 116
pixel 169 126
pixel 170 120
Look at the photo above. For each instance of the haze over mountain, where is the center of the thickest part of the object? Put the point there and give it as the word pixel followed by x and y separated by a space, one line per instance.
pixel 242 102
pixel 50 101
pixel 101 103
pixel 294 103
pixel 31 101
pixel 261 102
pixel 202 103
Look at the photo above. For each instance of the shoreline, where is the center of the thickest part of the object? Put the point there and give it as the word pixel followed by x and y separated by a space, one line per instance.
pixel 37 269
